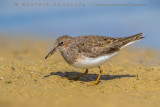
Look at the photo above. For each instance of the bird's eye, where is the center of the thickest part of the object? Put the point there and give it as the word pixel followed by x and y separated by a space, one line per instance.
pixel 61 43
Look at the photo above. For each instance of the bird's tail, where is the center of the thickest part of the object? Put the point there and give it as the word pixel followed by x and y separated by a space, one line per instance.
pixel 131 39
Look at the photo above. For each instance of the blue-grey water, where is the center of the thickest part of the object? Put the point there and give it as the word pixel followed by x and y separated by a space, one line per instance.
pixel 24 17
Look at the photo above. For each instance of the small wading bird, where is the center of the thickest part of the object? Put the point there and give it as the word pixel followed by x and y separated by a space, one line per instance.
pixel 90 51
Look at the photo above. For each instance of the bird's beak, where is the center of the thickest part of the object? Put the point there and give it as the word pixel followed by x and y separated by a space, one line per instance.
pixel 51 53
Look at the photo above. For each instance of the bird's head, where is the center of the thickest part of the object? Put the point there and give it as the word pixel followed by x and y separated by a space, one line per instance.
pixel 61 43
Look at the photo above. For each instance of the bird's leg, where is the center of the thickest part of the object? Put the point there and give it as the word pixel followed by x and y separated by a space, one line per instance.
pixel 77 77
pixel 97 81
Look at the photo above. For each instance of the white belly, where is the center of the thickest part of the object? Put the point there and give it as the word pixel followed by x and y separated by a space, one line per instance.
pixel 92 62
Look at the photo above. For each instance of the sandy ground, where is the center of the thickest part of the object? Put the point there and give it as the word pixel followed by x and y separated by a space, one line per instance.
pixel 132 78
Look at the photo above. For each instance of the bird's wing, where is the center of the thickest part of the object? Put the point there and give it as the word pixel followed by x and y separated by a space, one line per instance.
pixel 93 46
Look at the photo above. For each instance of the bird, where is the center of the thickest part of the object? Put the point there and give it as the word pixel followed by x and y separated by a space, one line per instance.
pixel 90 51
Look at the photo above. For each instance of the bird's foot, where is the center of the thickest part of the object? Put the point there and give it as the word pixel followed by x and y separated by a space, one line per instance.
pixel 93 83
pixel 73 79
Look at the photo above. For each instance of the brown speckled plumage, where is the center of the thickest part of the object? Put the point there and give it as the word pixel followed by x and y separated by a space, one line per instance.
pixel 94 46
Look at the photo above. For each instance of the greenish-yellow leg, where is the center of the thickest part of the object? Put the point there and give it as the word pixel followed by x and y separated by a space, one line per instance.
pixel 97 81
pixel 77 77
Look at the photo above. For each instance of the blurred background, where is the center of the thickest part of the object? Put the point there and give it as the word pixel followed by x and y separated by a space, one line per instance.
pixel 28 29
pixel 53 18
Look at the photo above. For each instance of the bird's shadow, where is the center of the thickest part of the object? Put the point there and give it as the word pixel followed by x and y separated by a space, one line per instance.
pixel 88 77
